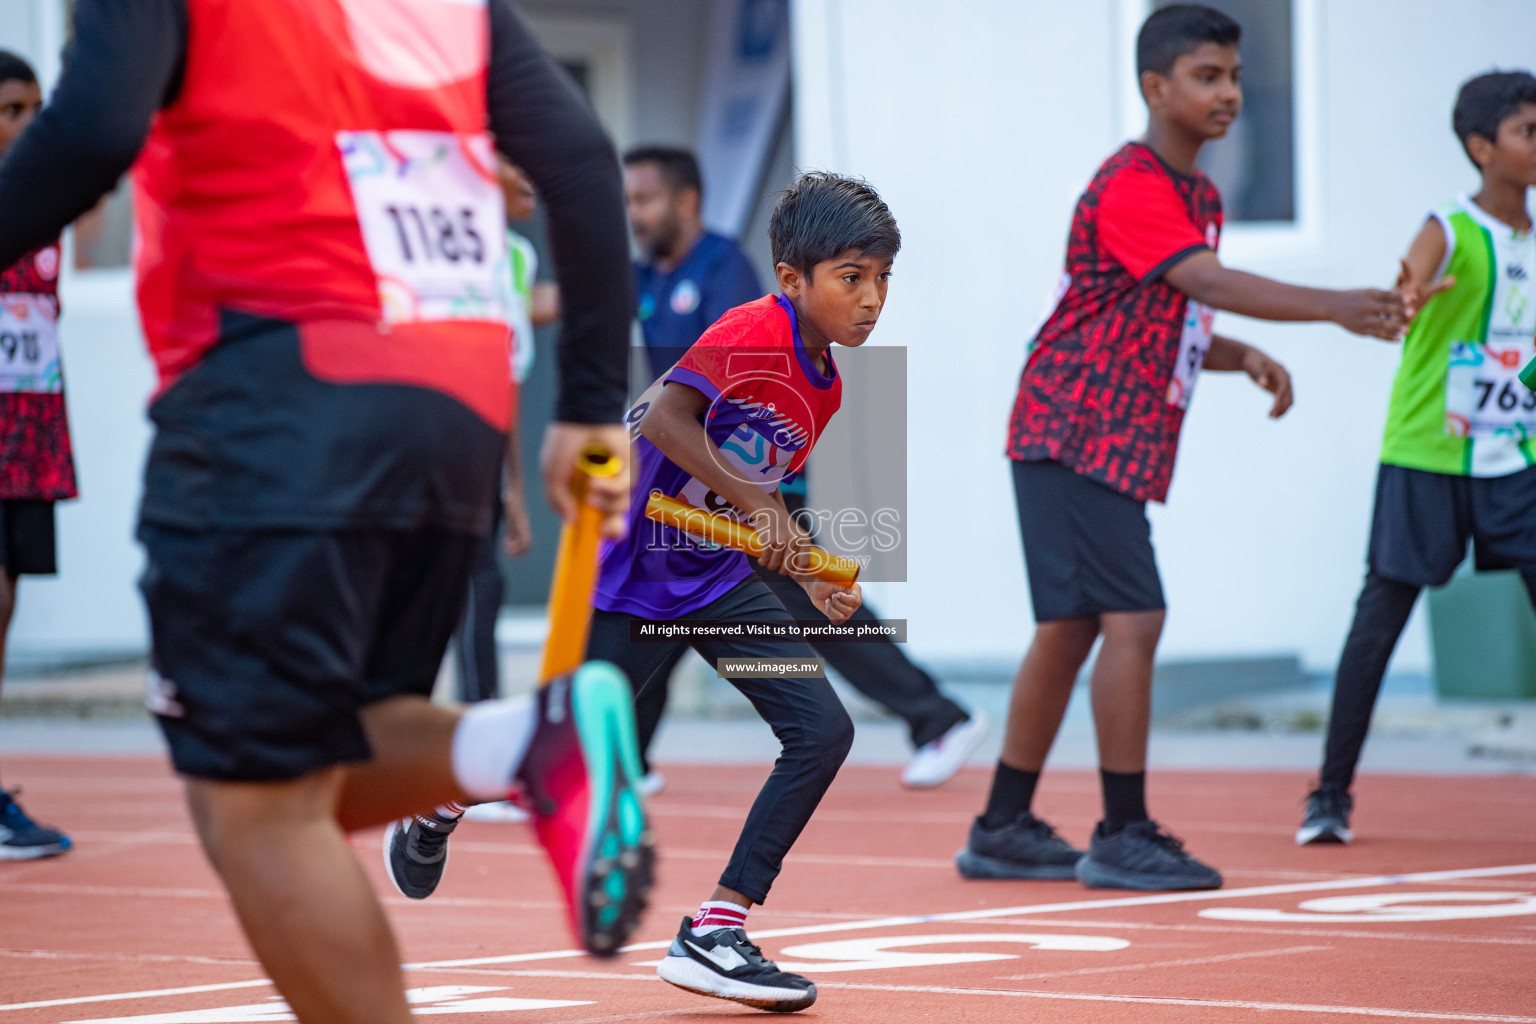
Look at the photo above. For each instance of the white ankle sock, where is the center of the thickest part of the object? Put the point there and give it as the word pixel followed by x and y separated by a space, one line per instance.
pixel 715 914
pixel 489 744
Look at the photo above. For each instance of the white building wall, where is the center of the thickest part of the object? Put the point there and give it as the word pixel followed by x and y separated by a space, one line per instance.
pixel 980 121
pixel 90 608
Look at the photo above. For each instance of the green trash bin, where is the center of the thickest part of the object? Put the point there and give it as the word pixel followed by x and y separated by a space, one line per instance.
pixel 1483 634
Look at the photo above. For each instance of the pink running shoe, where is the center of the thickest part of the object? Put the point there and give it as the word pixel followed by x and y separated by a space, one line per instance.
pixel 579 780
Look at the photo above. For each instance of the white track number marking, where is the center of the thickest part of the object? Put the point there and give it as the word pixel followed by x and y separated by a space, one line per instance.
pixel 886 951
pixel 1389 907
pixel 435 999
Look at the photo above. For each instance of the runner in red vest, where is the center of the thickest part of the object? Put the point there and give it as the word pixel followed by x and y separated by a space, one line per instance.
pixel 320 262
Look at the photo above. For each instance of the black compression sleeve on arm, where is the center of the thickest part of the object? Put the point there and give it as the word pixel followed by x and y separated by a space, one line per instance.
pixel 123 65
pixel 544 126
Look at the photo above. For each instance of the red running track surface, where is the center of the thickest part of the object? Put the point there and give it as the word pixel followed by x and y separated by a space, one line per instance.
pixel 1430 916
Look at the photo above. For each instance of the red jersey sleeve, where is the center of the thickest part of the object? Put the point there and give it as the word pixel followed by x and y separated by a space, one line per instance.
pixel 705 366
pixel 1145 224
pixel 732 350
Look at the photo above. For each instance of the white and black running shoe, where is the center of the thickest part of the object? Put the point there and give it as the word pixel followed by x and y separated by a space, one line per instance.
pixel 725 964
pixel 416 852
pixel 1327 820
pixel 1142 856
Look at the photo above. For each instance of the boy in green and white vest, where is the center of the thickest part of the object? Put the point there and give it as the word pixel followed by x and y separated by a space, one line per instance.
pixel 1459 459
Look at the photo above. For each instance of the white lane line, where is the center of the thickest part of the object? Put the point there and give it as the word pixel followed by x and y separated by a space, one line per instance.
pixel 148 891
pixel 168 892
pixel 366 837
pixel 1322 933
pixel 1232 1004
pixel 63 954
pixel 1212 1004
pixel 465 845
pixel 491 972
pixel 896 922
pixel 186 990
pixel 1071 821
pixel 1048 908
pixel 1195 961
pixel 120 843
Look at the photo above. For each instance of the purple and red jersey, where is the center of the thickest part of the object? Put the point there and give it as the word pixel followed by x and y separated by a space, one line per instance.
pixel 769 403
pixel 1112 367
pixel 36 460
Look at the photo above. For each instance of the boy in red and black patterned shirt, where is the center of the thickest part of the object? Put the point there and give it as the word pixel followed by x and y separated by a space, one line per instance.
pixel 36 467
pixel 1093 436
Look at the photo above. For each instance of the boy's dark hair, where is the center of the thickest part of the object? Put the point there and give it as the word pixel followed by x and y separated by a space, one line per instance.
pixel 1485 101
pixel 1173 31
pixel 823 214
pixel 14 68
pixel 679 168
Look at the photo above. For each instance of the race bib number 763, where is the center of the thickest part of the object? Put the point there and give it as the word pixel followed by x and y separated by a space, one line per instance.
pixel 1484 395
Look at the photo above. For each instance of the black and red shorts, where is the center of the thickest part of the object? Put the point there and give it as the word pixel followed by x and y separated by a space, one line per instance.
pixel 269 643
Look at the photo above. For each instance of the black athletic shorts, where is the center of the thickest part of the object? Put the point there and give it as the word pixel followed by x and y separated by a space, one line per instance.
pixel 1423 521
pixel 27 542
pixel 268 643
pixel 1087 547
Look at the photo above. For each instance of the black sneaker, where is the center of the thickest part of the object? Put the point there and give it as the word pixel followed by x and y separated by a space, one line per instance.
pixel 1327 819
pixel 1142 856
pixel 1024 848
pixel 21 838
pixel 416 852
pixel 725 964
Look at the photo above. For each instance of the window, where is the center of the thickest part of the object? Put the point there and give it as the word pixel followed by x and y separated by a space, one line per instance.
pixel 1255 165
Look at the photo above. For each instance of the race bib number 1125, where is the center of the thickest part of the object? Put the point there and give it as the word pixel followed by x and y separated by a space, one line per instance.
pixel 430 209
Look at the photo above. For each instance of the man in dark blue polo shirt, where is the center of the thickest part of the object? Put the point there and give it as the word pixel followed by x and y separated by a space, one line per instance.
pixel 687 279
pixel 689 276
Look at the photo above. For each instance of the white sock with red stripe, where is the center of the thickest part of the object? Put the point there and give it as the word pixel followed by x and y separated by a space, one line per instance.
pixel 449 811
pixel 715 914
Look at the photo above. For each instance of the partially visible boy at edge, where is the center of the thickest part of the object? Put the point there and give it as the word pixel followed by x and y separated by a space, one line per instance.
pixel 37 465
pixel 1458 461
pixel 742 408
pixel 1093 437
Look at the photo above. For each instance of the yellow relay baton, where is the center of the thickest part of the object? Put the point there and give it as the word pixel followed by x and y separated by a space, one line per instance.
pixel 570 593
pixel 727 532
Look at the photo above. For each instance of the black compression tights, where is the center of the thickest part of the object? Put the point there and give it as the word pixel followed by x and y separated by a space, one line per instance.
pixel 1380 615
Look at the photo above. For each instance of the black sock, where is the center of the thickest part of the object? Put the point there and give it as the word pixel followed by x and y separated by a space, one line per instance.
pixel 1125 799
pixel 1013 791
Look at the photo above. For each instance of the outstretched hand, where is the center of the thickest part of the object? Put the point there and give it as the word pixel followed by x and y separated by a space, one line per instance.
pixel 1417 293
pixel 1272 377
pixel 1372 312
